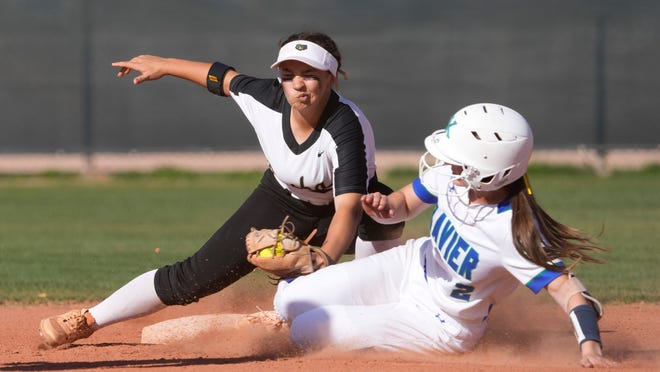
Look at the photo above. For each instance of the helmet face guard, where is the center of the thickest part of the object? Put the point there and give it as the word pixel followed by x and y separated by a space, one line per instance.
pixel 492 143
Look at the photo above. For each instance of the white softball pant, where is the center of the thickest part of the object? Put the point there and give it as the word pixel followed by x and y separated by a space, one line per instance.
pixel 381 302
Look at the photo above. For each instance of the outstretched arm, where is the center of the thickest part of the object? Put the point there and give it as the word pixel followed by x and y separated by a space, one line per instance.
pixel 568 293
pixel 401 205
pixel 154 67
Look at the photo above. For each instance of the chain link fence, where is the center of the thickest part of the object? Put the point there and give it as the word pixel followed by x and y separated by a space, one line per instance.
pixel 584 73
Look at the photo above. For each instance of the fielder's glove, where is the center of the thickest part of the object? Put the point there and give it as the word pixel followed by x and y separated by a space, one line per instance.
pixel 280 253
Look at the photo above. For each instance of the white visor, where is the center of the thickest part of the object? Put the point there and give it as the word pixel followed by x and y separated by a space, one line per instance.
pixel 309 53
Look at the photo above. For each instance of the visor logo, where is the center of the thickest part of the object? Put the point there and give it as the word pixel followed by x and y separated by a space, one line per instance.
pixel 451 123
pixel 301 47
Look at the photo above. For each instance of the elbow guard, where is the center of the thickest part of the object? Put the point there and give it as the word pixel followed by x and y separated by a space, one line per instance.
pixel 574 286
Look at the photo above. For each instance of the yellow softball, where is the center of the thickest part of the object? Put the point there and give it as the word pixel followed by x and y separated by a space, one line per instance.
pixel 270 252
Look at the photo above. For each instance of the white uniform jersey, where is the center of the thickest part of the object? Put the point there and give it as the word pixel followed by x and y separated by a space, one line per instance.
pixel 337 158
pixel 432 293
pixel 473 263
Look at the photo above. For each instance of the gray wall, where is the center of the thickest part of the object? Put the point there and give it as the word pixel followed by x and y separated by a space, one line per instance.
pixel 411 64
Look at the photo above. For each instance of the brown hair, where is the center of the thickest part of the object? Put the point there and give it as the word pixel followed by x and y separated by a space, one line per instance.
pixel 540 238
pixel 321 39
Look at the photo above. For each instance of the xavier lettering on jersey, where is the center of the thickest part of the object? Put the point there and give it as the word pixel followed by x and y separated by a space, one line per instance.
pixel 320 187
pixel 458 254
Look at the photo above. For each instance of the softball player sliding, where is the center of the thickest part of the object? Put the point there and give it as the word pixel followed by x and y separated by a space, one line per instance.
pixel 487 234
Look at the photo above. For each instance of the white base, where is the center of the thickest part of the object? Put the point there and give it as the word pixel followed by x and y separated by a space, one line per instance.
pixel 187 328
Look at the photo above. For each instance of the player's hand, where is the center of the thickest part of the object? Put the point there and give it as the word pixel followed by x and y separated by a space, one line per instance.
pixel 592 356
pixel 149 67
pixel 597 361
pixel 376 205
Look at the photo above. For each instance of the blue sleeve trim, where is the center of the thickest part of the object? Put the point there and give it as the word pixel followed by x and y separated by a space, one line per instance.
pixel 541 280
pixel 503 206
pixel 422 193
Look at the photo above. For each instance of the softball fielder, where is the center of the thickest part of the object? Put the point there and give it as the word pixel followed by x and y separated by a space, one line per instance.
pixel 320 148
pixel 487 235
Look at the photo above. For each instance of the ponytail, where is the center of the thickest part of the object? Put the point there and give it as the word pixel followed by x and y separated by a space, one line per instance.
pixel 540 238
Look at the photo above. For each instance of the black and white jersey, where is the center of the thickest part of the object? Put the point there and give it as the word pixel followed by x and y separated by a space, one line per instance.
pixel 337 158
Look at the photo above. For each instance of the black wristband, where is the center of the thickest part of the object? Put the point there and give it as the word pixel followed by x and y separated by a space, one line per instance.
pixel 585 324
pixel 216 77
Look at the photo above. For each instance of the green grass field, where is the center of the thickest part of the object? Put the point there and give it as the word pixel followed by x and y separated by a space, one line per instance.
pixel 68 238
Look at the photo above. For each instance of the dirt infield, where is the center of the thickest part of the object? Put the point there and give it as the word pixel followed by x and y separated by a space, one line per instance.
pixel 533 337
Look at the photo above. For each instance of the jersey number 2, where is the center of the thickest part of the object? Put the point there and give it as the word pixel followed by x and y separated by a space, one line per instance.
pixel 462 292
